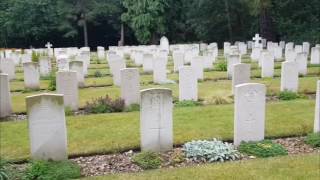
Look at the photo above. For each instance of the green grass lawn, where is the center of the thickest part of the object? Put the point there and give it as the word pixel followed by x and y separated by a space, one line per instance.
pixel 287 167
pixel 103 133
pixel 207 90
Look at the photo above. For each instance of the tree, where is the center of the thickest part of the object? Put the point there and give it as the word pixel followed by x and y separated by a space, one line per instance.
pixel 75 13
pixel 146 18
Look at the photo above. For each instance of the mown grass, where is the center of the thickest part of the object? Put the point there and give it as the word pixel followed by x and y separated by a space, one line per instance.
pixel 208 90
pixel 103 133
pixel 288 167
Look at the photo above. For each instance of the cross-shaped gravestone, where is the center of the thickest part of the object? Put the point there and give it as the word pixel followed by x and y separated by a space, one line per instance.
pixel 256 39
pixel 48 45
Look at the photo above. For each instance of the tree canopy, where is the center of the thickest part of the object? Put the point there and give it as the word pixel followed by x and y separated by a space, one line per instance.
pixel 25 23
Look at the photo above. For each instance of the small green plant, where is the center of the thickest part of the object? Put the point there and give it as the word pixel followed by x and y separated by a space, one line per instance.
pixel 52 82
pixel 147 160
pixel 288 95
pixel 97 73
pixel 68 111
pixel 313 139
pixel 52 170
pixel 187 103
pixel 265 148
pixel 133 107
pixel 221 66
pixel 104 105
pixel 35 56
pixel 3 172
pixel 210 151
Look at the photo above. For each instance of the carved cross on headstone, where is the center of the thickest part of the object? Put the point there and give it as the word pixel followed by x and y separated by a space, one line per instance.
pixel 257 40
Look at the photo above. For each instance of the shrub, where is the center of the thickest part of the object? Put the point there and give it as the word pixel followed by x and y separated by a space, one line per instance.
pixel 35 57
pixel 97 73
pixel 187 103
pixel 133 107
pixel 210 151
pixel 52 82
pixel 288 95
pixel 147 160
pixel 221 66
pixel 68 111
pixel 265 148
pixel 104 105
pixel 313 139
pixel 52 170
pixel 3 172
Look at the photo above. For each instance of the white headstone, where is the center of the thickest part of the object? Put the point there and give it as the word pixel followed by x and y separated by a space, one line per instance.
pixel 164 43
pixel 5 96
pixel 302 60
pixel 130 86
pixel 178 60
pixel 249 112
pixel 45 66
pixel 257 40
pixel 255 54
pixel 77 66
pixel 278 53
pixel 159 70
pixel 115 66
pixel 63 63
pixel 101 53
pixel 306 47
pixel 241 74
pixel 197 66
pixel 315 55
pixel 316 128
pixel 290 55
pixel 7 66
pixel 31 75
pixel 188 84
pixel 232 60
pixel 47 127
pixel 267 64
pixel 289 76
pixel 156 120
pixel 147 62
pixel 67 84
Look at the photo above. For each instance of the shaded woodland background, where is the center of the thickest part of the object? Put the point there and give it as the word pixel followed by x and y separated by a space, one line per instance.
pixel 25 23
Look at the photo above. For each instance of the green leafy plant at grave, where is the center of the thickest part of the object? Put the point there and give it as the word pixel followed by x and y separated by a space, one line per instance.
pixel 187 103
pixel 133 107
pixel 265 148
pixel 97 73
pixel 68 111
pixel 104 105
pixel 3 172
pixel 210 151
pixel 52 82
pixel 35 57
pixel 52 170
pixel 221 66
pixel 288 95
pixel 147 160
pixel 313 139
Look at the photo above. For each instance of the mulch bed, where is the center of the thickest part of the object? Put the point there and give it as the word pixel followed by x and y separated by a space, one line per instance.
pixel 120 163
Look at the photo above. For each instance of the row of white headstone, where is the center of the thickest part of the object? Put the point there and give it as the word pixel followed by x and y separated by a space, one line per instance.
pixel 48 131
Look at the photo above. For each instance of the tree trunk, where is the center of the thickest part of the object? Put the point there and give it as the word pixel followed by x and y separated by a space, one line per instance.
pixel 85 32
pixel 122 35
pixel 226 3
pixel 266 25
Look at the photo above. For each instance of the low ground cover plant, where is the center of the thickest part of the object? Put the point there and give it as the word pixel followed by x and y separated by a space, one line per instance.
pixel 147 160
pixel 221 66
pixel 187 103
pixel 265 148
pixel 288 95
pixel 210 151
pixel 104 105
pixel 313 139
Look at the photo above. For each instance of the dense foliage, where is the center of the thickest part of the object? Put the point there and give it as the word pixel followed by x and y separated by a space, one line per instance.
pixel 265 148
pixel 210 151
pixel 147 160
pixel 313 139
pixel 25 23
